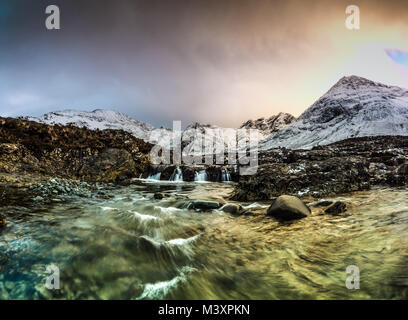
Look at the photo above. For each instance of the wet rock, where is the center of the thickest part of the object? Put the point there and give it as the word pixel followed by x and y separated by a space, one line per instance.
pixel 188 173
pixel 213 173
pixel 232 208
pixel 403 169
pixel 323 203
pixel 204 205
pixel 158 196
pixel 167 172
pixel 38 198
pixel 288 208
pixel 148 244
pixel 337 208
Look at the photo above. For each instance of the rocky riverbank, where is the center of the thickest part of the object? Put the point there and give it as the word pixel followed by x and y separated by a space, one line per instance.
pixel 69 152
pixel 46 162
pixel 346 166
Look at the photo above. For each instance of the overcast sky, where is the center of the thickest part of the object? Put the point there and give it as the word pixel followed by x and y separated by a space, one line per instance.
pixel 212 61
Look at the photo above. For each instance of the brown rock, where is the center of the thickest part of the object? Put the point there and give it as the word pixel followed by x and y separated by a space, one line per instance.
pixel 288 208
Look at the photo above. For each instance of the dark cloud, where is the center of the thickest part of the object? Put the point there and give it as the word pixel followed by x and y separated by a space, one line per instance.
pixel 218 61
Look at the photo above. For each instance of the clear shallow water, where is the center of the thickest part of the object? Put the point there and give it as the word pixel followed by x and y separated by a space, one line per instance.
pixel 135 247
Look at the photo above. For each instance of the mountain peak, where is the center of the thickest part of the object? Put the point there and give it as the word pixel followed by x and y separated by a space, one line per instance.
pixel 270 125
pixel 354 82
pixel 353 107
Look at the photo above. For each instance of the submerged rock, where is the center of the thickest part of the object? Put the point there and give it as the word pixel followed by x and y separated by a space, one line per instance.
pixel 158 196
pixel 204 205
pixel 323 203
pixel 288 208
pixel 337 208
pixel 232 208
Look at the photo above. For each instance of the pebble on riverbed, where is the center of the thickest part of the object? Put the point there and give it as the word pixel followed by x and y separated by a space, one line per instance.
pixel 57 189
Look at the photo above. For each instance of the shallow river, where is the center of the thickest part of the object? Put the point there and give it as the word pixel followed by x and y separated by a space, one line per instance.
pixel 135 247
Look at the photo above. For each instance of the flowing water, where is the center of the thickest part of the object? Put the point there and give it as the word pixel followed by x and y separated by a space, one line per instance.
pixel 134 247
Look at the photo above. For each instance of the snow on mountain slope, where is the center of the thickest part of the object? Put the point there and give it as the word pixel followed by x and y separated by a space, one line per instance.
pixel 353 107
pixel 268 126
pixel 97 119
pixel 109 119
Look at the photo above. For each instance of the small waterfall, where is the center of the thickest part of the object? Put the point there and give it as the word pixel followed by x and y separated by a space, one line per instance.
pixel 200 176
pixel 225 175
pixel 177 175
pixel 155 176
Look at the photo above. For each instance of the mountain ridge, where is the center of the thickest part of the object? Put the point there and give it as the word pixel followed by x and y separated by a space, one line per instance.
pixel 353 107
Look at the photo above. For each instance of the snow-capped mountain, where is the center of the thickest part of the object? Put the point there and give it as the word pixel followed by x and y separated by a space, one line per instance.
pixel 271 125
pixel 97 119
pixel 353 107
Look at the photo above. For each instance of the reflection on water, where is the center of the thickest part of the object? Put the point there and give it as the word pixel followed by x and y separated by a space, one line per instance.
pixel 135 247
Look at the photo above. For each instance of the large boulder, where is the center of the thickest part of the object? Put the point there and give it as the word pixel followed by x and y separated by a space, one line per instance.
pixel 288 208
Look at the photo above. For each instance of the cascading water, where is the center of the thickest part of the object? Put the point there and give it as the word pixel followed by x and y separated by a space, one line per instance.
pixel 155 176
pixel 147 248
pixel 177 175
pixel 225 175
pixel 200 176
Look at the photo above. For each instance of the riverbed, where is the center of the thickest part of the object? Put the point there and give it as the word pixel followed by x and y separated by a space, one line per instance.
pixel 133 246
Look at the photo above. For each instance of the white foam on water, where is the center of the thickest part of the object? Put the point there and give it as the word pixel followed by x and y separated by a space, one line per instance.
pixel 182 241
pixel 169 210
pixel 177 175
pixel 255 205
pixel 200 176
pixel 225 175
pixel 154 176
pixel 159 290
pixel 143 217
pixel 107 208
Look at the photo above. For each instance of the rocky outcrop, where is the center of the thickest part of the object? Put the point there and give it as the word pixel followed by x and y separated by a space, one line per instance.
pixel 346 166
pixel 70 152
pixel 286 208
pixel 269 126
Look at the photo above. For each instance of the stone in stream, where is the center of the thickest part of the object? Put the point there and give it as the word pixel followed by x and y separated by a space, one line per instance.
pixel 232 208
pixel 323 203
pixel 204 205
pixel 3 221
pixel 337 208
pixel 288 208
pixel 158 196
